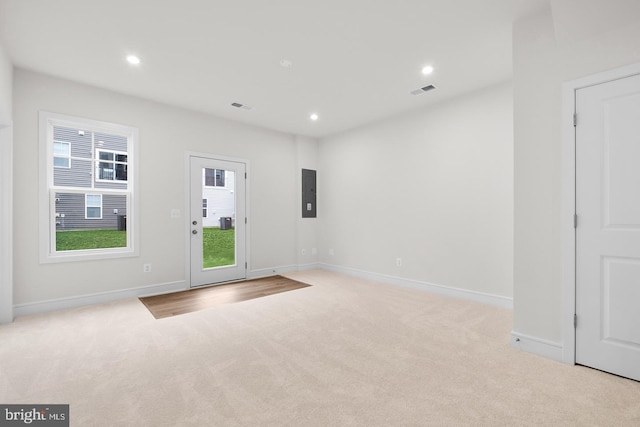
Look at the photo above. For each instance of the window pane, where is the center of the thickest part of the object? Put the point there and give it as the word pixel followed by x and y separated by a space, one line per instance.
pixel 61 162
pixel 121 172
pixel 105 170
pixel 121 158
pixel 94 199
pixel 93 212
pixel 209 177
pixel 91 227
pixel 61 148
pixel 219 178
pixel 105 155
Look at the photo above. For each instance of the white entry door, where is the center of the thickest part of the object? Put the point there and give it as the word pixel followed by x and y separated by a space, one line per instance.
pixel 217 220
pixel 608 229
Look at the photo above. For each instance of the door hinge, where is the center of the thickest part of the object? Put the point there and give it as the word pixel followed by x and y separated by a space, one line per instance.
pixel 245 265
pixel 245 175
pixel 575 220
pixel 575 321
pixel 245 219
pixel 575 119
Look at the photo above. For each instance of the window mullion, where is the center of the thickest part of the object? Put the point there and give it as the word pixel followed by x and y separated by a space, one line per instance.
pixel 94 163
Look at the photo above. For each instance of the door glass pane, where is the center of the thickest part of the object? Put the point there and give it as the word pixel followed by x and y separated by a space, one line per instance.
pixel 218 224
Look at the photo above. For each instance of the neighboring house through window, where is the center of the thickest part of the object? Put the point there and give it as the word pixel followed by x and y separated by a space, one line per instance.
pixel 204 208
pixel 87 189
pixel 112 166
pixel 214 177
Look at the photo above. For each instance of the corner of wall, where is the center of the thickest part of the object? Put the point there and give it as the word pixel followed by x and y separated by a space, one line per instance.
pixel 538 346
pixel 307 228
pixel 6 185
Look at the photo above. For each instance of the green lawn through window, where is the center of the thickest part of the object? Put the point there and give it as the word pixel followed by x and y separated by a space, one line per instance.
pixel 218 246
pixel 90 239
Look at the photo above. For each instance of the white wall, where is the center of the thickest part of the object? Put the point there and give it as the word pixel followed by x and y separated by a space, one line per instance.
pixel 563 43
pixel 307 229
pixel 6 81
pixel 166 133
pixel 6 191
pixel 433 187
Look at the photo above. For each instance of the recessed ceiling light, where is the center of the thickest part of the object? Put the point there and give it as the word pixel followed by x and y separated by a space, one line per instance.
pixel 314 117
pixel 133 60
pixel 427 70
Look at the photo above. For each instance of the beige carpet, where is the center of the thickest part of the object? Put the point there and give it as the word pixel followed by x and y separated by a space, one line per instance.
pixel 344 352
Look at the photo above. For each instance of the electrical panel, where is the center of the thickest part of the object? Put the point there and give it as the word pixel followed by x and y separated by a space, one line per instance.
pixel 308 193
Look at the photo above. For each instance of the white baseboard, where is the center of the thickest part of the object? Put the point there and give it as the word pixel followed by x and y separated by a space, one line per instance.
pixel 163 288
pixel 266 272
pixel 484 298
pixel 98 298
pixel 539 346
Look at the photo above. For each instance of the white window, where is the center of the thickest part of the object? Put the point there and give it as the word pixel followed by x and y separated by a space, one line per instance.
pixel 112 165
pixel 61 154
pixel 88 198
pixel 214 177
pixel 93 206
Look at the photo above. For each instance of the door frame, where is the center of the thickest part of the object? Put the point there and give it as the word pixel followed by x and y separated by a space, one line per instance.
pixel 6 224
pixel 569 199
pixel 187 206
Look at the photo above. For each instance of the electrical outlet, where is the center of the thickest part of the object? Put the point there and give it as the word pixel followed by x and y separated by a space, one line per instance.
pixel 146 268
pixel 398 262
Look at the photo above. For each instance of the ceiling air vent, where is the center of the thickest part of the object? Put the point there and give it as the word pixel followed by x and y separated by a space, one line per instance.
pixel 422 90
pixel 238 105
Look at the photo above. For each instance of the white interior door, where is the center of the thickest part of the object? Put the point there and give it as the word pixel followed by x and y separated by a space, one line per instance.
pixel 608 230
pixel 217 221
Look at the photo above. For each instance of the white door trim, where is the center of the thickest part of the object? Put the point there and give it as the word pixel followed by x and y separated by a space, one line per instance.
pixel 569 199
pixel 6 224
pixel 187 202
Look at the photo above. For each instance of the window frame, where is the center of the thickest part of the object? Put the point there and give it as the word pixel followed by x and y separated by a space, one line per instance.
pixel 47 189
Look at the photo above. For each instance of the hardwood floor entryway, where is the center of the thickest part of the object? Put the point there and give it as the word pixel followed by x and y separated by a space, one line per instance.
pixel 176 303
